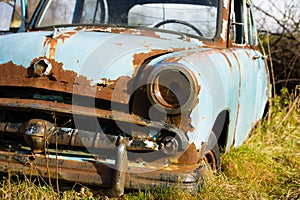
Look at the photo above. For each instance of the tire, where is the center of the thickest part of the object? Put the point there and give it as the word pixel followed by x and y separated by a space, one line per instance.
pixel 212 154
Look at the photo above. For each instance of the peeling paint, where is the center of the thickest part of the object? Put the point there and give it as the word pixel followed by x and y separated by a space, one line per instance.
pixel 52 41
pixel 224 30
pixel 61 81
pixel 225 4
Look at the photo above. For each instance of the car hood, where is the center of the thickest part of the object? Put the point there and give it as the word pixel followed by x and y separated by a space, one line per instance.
pixel 94 53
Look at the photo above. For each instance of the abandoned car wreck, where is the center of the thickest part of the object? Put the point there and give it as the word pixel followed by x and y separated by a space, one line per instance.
pixel 128 94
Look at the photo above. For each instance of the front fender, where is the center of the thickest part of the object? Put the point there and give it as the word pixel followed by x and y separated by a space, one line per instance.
pixel 218 75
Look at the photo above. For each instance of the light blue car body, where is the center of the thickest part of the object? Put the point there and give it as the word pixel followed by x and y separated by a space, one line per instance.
pixel 230 79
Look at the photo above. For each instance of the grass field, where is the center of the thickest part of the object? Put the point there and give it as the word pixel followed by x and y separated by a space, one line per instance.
pixel 266 166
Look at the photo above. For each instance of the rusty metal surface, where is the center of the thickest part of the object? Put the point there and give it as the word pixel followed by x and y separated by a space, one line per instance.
pixel 83 170
pixel 43 106
pixel 99 172
pixel 61 81
pixel 38 134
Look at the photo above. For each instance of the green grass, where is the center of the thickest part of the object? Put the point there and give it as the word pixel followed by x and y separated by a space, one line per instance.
pixel 266 166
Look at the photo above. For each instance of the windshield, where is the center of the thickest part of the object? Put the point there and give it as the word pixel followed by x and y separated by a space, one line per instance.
pixel 197 17
pixel 10 14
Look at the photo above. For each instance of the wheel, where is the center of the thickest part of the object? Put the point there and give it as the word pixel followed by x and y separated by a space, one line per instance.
pixel 178 22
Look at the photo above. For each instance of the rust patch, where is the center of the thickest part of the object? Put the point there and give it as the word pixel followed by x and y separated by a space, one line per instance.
pixel 62 81
pixel 12 73
pixel 59 74
pixel 140 58
pixel 182 121
pixel 48 106
pixel 225 13
pixel 52 46
pixel 189 54
pixel 190 156
pixel 52 42
pixel 248 54
pixel 173 59
pixel 228 60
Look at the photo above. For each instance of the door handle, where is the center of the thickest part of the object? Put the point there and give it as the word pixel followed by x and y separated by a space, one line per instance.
pixel 257 57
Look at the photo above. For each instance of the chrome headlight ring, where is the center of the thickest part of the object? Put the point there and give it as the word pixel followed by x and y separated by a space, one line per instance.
pixel 173 87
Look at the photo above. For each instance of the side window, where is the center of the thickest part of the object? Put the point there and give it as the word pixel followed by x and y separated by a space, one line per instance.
pixel 252 32
pixel 242 26
pixel 237 26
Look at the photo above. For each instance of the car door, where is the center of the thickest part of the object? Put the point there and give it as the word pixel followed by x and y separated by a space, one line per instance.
pixel 243 43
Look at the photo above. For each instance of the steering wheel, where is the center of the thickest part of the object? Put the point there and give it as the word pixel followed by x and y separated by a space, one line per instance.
pixel 178 22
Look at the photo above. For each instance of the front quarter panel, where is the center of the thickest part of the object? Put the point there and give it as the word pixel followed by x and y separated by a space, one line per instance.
pixel 229 80
pixel 217 73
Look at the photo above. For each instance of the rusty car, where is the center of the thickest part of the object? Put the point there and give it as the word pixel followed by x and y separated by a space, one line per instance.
pixel 128 94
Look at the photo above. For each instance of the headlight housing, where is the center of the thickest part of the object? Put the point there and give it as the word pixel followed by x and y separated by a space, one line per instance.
pixel 173 87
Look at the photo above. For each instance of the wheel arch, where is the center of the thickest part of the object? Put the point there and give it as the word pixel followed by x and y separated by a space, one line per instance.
pixel 220 128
